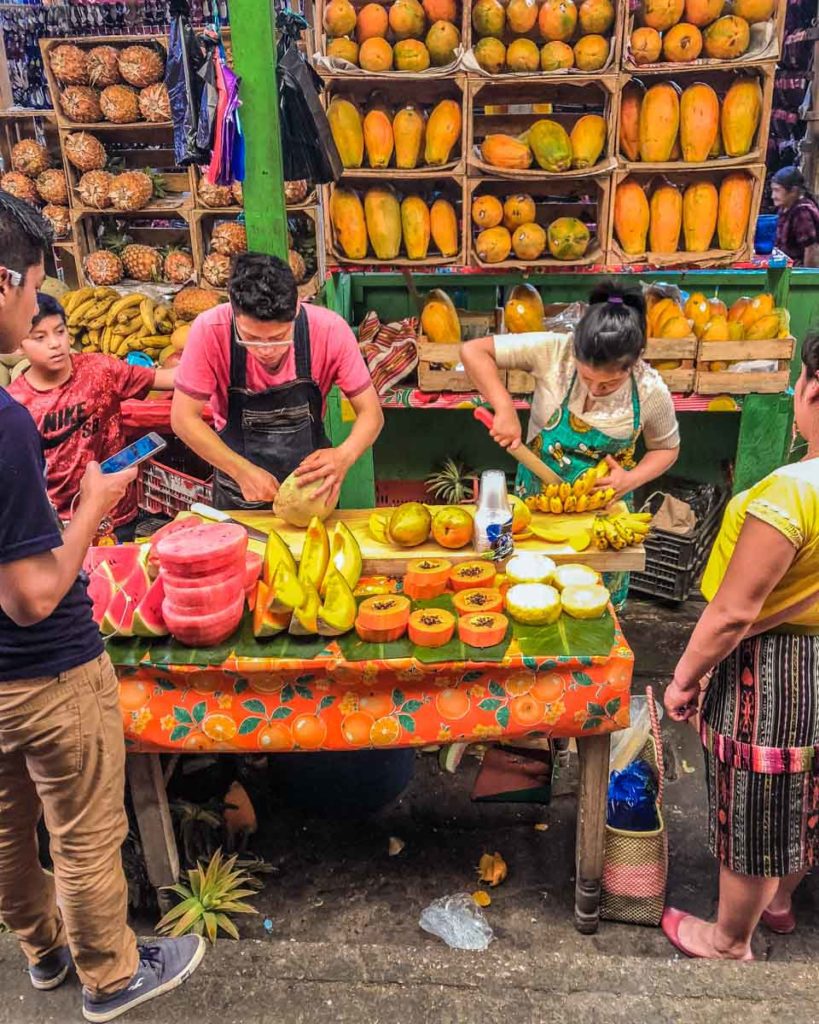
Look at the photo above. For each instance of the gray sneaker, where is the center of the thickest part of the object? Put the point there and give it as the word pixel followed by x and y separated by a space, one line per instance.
pixel 52 970
pixel 163 966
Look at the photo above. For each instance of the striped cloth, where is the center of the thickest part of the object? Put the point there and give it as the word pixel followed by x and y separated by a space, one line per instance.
pixel 388 349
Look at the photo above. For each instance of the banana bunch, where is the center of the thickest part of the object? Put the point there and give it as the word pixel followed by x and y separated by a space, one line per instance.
pixel 621 530
pixel 102 320
pixel 580 496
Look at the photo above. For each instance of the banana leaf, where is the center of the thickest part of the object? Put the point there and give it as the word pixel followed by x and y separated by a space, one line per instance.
pixel 566 638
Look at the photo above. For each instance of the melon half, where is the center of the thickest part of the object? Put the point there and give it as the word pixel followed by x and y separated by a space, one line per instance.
pixel 585 602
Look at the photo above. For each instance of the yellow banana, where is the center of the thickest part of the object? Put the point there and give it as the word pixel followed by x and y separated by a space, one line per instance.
pixel 601 469
pixel 583 503
pixel 580 486
pixel 564 490
pixel 570 504
pixel 599 534
pixel 555 505
pixel 122 304
pixel 552 490
pixel 641 517
pixel 77 298
pixel 530 503
pixel 77 316
pixel 146 312
pixel 612 536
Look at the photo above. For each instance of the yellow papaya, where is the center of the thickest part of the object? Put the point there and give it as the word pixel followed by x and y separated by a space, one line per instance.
pixel 659 122
pixel 727 38
pixel 443 132
pixel 382 213
pixel 442 40
pixel 700 203
pixel 550 145
pixel 487 211
pixel 517 209
pixel 506 151
pixel 443 223
pixel 631 217
pixel 735 195
pixel 415 227
pixel 587 139
pixel 665 219
pixel 523 310
pixel 764 329
pixel 716 330
pixel 754 309
pixel 676 327
pixel 699 122
pixel 408 127
pixel 493 245
pixel 347 131
pixel 378 137
pixel 741 113
pixel 439 319
pixel 631 100
pixel 754 11
pixel 347 217
pixel 528 241
pixel 568 238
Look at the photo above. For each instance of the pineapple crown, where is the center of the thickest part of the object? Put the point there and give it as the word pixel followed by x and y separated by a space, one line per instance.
pixel 451 484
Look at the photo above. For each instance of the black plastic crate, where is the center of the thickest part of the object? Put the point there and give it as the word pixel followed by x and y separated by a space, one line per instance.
pixel 674 563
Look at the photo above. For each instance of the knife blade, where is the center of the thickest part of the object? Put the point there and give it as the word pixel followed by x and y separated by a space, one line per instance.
pixel 524 455
pixel 219 516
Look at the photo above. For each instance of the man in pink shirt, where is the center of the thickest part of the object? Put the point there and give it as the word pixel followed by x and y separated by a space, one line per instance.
pixel 265 363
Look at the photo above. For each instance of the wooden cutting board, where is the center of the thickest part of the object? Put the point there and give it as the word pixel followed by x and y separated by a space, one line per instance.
pixel 386 560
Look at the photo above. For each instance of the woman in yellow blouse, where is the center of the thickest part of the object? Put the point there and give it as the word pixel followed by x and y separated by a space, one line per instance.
pixel 759 713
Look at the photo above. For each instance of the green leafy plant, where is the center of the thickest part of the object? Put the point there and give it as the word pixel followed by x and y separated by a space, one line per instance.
pixel 211 895
pixel 199 827
pixel 452 484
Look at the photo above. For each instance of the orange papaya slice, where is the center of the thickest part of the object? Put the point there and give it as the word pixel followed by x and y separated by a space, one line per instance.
pixel 379 636
pixel 426 578
pixel 469 575
pixel 479 599
pixel 482 629
pixel 431 627
pixel 385 612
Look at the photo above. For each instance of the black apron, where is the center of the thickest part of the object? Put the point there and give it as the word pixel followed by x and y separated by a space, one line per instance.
pixel 275 429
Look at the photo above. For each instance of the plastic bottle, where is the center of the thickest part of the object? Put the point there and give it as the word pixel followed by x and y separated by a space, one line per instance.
pixel 493 518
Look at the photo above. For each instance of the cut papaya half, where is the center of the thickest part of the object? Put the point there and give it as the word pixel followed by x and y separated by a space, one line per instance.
pixel 481 599
pixel 426 578
pixel 382 613
pixel 469 575
pixel 431 627
pixel 379 636
pixel 482 629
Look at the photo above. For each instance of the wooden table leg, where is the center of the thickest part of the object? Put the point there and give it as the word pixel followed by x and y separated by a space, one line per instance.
pixel 593 752
pixel 154 820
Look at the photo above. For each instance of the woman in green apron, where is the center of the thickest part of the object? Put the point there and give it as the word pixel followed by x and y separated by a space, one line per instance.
pixel 593 398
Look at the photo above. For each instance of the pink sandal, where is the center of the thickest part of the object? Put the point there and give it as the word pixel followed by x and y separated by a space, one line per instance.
pixel 670 924
pixel 783 923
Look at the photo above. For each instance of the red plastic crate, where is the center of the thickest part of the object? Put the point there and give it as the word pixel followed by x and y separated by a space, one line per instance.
pixel 163 489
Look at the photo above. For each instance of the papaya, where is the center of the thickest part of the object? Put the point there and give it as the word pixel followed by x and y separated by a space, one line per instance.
pixel 703 12
pixel 523 310
pixel 522 55
pixel 487 211
pixel 659 122
pixel 408 128
pixel 646 45
pixel 415 227
pixel 700 202
pixel 375 55
pixel 698 310
pixel 347 131
pixel 718 307
pixel 439 319
pixel 557 19
pixel 736 332
pixel 757 307
pixel 490 53
pixel 699 121
pixel 664 309
pixel 631 217
pixel 410 55
pixel 347 217
pixel 442 40
pixel 737 310
pixel 443 132
pixel 521 16
pixel 716 330
pixel 727 38
pixel 662 14
pixel 339 18
pixel 372 23
pixel 518 209
pixel 556 55
pixel 550 145
pixel 665 219
pixel 493 245
pixel 343 48
pixel 378 137
pixel 407 19
pixel 740 116
pixel 528 241
pixel 595 16
pixel 754 11
pixel 676 327
pixel 443 222
pixel 382 214
pixel 489 18
pixel 440 10
pixel 735 195
pixel 676 151
pixel 716 149
pixel 568 238
pixel 507 152
pixel 591 53
pixel 631 100
pixel 587 139
pixel 682 43
pixel 764 329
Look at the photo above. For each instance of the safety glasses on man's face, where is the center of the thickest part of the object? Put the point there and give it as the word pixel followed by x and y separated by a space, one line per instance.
pixel 263 344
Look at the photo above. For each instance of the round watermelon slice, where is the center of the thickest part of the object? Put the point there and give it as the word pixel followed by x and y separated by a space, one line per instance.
pixel 207 598
pixel 195 630
pixel 203 549
pixel 233 571
pixel 173 527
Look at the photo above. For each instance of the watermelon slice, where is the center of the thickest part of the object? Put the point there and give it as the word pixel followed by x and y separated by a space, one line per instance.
pixel 234 571
pixel 253 570
pixel 203 549
pixel 148 619
pixel 173 527
pixel 207 598
pixel 121 559
pixel 203 630
pixel 101 590
pixel 119 615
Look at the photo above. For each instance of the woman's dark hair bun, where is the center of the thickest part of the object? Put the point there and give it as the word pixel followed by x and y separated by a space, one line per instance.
pixel 613 330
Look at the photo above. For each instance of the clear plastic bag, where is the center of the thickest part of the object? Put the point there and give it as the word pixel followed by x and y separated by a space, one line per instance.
pixel 627 744
pixel 458 920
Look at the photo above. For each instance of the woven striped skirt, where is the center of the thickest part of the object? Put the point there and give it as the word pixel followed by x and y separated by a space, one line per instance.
pixel 760 729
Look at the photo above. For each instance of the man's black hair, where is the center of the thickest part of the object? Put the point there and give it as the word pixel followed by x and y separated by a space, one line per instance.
pixel 47 305
pixel 613 331
pixel 263 287
pixel 810 353
pixel 25 235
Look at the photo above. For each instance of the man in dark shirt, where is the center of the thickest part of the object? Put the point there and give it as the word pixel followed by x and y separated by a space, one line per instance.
pixel 62 752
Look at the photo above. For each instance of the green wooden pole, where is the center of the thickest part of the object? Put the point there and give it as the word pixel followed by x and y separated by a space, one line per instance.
pixel 253 33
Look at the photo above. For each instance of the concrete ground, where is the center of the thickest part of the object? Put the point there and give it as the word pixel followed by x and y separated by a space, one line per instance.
pixel 337 936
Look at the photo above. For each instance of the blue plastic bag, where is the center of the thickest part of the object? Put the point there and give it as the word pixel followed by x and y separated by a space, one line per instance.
pixel 632 799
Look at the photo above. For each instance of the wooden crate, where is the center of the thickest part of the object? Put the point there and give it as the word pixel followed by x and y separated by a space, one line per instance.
pixel 720 80
pixel 336 68
pixel 395 95
pixel 446 187
pixel 765 45
pixel 711 257
pixel 711 382
pixel 145 230
pixel 570 99
pixel 88 43
pixel 586 199
pixel 439 366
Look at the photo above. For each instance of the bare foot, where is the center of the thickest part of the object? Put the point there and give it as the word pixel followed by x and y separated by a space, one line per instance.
pixel 703 940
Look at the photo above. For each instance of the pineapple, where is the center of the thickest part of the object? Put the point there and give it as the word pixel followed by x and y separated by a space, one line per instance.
pixel 190 302
pixel 94 189
pixel 142 65
pixel 229 238
pixel 69 64
pixel 59 218
pixel 29 157
pixel 119 104
pixel 154 103
pixel 53 188
pixel 85 152
pixel 178 266
pixel 452 484
pixel 295 192
pixel 213 196
pixel 142 262
pixel 19 185
pixel 104 268
pixel 81 104
pixel 103 66
pixel 133 190
pixel 216 269
pixel 238 192
pixel 297 265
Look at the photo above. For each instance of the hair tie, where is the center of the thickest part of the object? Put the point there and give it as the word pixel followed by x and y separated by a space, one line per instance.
pixel 615 300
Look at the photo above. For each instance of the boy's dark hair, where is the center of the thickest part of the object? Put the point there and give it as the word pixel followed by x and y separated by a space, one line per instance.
pixel 613 330
pixel 263 287
pixel 25 235
pixel 47 306
pixel 810 353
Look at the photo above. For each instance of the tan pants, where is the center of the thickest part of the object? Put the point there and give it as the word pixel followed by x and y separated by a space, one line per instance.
pixel 62 753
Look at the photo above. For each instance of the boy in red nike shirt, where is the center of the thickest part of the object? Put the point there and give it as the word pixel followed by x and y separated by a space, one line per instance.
pixel 76 402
